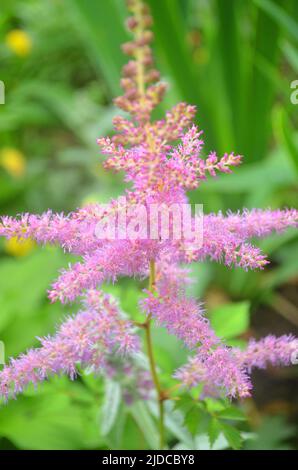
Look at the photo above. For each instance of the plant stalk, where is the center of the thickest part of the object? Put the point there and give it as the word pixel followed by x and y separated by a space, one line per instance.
pixel 148 337
pixel 140 80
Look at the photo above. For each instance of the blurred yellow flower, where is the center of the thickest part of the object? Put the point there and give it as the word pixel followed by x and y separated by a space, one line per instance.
pixel 19 42
pixel 13 161
pixel 19 246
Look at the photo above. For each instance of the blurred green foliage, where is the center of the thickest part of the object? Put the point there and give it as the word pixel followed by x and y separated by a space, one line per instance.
pixel 235 60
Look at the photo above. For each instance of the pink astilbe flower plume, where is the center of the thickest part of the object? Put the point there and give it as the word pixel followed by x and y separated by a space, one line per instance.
pixel 161 160
pixel 269 351
pixel 212 370
pixel 86 339
pixel 182 316
pixel 219 371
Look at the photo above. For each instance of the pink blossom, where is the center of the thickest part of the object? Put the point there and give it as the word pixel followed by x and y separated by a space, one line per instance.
pixel 161 160
pixel 218 371
pixel 85 339
pixel 277 351
pixel 226 369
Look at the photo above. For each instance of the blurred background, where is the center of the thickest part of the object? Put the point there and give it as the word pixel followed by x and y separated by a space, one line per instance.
pixel 60 62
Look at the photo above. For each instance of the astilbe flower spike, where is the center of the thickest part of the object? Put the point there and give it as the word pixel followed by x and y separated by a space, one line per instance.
pixel 87 339
pixel 211 369
pixel 159 171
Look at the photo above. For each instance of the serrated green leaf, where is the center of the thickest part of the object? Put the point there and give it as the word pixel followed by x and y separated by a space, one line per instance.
pixel 192 419
pixel 232 435
pixel 213 406
pixel 184 404
pixel 232 413
pixel 213 431
pixel 196 420
pixel 202 442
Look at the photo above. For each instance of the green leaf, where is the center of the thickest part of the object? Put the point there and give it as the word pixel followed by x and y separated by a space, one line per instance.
pixel 230 55
pixel 115 438
pixel 175 56
pixel 174 421
pixel 291 54
pixel 231 319
pixel 141 415
pixel 232 435
pixel 23 287
pixel 285 134
pixel 170 31
pixel 202 442
pixel 131 437
pixel 260 91
pixel 55 417
pixel 110 407
pixel 24 308
pixel 288 266
pixel 232 413
pixel 184 404
pixel 214 430
pixel 279 15
pixel 214 406
pixel 94 20
pixel 192 419
pixel 196 420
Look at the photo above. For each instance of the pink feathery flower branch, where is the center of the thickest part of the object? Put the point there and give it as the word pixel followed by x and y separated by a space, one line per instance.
pixel 86 339
pixel 215 372
pixel 159 171
pixel 269 351
pixel 225 240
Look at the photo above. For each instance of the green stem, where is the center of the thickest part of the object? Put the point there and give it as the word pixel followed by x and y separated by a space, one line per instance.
pixel 140 81
pixel 160 393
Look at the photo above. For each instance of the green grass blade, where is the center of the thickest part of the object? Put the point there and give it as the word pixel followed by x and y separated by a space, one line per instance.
pixel 229 56
pixel 102 27
pixel 280 16
pixel 261 90
pixel 174 55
